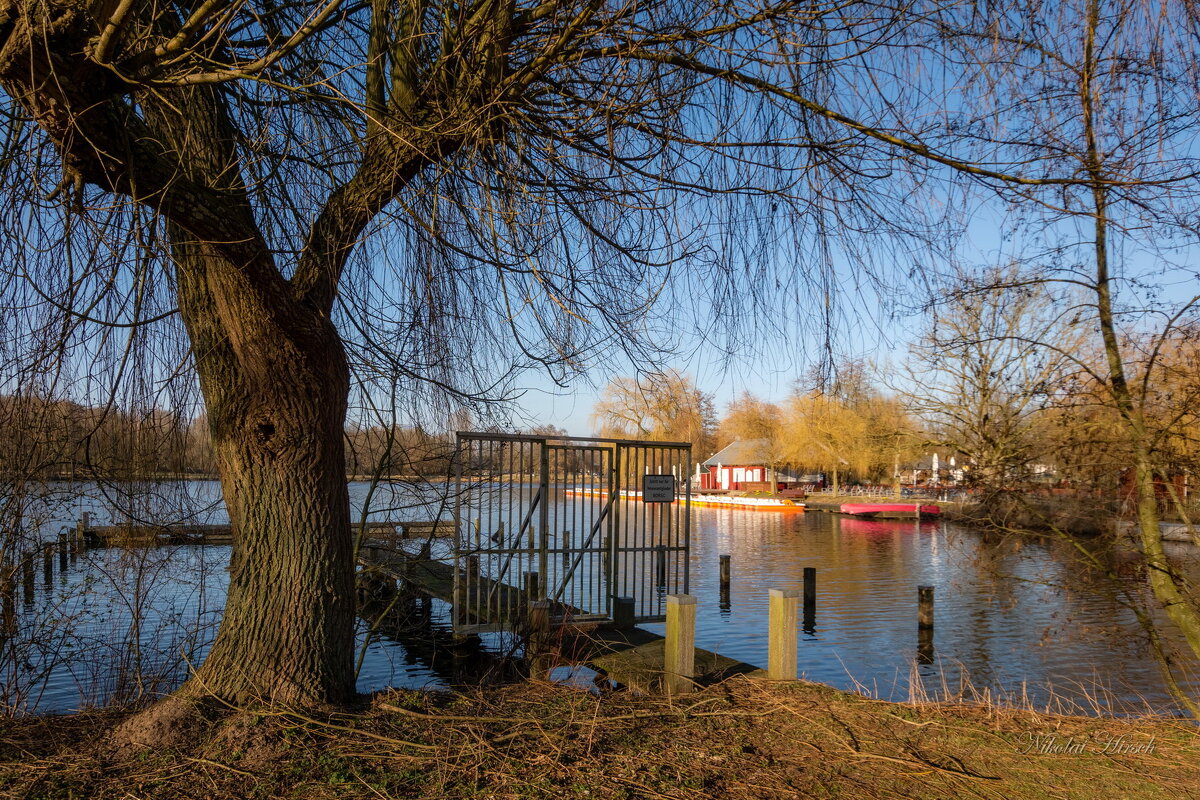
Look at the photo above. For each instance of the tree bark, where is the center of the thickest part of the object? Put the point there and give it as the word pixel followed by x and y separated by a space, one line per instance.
pixel 275 390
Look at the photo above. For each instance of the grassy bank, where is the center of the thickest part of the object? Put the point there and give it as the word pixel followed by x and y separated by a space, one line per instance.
pixel 740 739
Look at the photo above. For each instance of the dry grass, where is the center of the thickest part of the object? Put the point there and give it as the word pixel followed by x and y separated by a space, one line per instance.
pixel 740 739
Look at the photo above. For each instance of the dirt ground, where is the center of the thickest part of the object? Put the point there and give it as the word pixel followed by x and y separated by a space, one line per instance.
pixel 739 739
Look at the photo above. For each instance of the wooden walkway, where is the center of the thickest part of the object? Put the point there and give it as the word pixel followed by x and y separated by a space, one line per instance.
pixel 436 579
pixel 633 657
pixel 135 535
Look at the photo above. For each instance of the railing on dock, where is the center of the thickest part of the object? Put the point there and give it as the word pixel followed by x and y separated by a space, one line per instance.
pixel 569 520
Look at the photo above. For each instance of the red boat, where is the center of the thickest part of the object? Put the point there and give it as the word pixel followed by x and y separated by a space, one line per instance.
pixel 903 510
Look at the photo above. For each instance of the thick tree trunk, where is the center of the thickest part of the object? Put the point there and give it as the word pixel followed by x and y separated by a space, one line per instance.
pixel 272 368
pixel 275 383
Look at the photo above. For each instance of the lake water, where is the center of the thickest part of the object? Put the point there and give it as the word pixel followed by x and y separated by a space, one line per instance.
pixel 1017 618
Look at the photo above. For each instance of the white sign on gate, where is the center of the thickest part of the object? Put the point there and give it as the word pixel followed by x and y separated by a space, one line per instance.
pixel 658 488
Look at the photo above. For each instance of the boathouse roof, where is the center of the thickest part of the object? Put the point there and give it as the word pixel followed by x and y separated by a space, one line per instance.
pixel 742 453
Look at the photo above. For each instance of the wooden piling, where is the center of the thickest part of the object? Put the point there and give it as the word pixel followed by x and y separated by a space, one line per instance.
pixel 79 539
pixel 679 654
pixel 27 577
pixel 62 552
pixel 925 608
pixel 539 630
pixel 48 564
pixel 8 597
pixel 623 613
pixel 925 646
pixel 810 591
pixel 725 574
pixel 782 623
pixel 531 583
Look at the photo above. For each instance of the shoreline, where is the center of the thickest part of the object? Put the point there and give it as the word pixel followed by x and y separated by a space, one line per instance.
pixel 739 739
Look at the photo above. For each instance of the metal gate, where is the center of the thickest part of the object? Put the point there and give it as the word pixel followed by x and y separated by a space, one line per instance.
pixel 564 519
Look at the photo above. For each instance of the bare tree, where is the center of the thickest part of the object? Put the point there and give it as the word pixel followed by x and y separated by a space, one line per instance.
pixel 1081 118
pixel 665 407
pixel 981 377
pixel 435 193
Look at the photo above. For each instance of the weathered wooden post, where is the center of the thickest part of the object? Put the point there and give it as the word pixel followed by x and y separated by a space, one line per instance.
pixel 81 531
pixel 8 597
pixel 539 622
pixel 809 623
pixel 810 591
pixel 538 645
pixel 679 655
pixel 531 582
pixel 725 573
pixel 623 613
pixel 782 621
pixel 925 646
pixel 48 564
pixel 925 608
pixel 27 577
pixel 62 552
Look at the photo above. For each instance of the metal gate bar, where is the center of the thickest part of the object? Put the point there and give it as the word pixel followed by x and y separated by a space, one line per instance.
pixel 594 538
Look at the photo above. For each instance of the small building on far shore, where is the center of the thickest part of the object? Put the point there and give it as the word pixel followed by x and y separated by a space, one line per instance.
pixel 935 469
pixel 744 465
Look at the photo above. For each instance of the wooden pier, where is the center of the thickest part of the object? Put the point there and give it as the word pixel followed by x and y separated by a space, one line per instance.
pixel 902 510
pixel 631 656
pixel 556 633
pixel 139 535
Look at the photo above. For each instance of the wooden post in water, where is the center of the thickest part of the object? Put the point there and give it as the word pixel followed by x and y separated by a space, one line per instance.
pixel 782 623
pixel 27 577
pixel 679 654
pixel 925 608
pixel 810 591
pixel 8 597
pixel 660 564
pixel 725 572
pixel 48 564
pixel 81 530
pixel 925 646
pixel 62 552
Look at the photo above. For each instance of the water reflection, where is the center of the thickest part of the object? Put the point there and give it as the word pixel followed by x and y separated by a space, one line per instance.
pixel 1013 615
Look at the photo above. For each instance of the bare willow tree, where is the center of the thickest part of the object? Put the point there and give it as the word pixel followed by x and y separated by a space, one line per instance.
pixel 982 378
pixel 320 195
pixel 1081 118
pixel 664 407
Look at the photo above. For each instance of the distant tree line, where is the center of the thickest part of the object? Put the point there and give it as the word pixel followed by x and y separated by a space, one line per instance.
pixel 50 438
pixel 44 438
